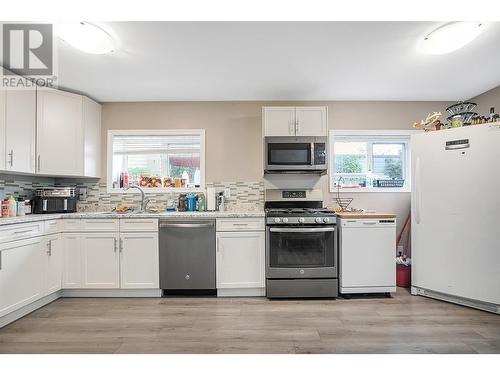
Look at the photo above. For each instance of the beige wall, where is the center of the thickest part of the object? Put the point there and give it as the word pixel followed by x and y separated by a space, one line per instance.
pixel 233 129
pixel 233 134
pixel 487 100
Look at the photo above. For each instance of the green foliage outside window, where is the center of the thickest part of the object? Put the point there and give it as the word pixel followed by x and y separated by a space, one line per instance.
pixel 394 168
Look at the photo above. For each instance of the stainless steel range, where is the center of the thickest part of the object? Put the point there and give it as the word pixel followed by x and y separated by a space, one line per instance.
pixel 301 245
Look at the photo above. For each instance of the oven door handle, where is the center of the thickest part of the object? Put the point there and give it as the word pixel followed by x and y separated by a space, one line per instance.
pixel 302 230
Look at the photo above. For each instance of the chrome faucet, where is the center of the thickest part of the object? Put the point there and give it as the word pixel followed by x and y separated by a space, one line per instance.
pixel 144 201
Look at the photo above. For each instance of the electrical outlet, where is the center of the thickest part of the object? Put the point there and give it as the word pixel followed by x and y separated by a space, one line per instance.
pixel 227 193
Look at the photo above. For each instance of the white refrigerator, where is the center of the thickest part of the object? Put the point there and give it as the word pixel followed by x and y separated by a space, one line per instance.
pixel 455 208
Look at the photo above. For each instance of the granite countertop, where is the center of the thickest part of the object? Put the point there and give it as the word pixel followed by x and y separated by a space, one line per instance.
pixel 114 215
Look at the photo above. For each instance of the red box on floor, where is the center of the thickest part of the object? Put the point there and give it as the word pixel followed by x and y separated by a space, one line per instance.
pixel 403 276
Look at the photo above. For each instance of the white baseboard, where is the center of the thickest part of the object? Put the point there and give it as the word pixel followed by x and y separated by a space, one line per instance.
pixel 241 292
pixel 25 310
pixel 486 306
pixel 368 289
pixel 111 293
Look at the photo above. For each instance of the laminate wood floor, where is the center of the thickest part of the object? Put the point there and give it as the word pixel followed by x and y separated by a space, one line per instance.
pixel 402 324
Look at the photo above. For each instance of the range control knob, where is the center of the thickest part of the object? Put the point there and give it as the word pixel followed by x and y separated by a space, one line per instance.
pixel 301 220
pixel 326 220
pixel 277 220
pixel 318 220
pixel 285 220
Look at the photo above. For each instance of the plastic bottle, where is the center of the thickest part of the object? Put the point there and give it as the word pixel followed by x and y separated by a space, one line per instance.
pixel 20 207
pixel 197 178
pixel 125 179
pixel 12 206
pixel 185 177
pixel 201 202
pixel 5 208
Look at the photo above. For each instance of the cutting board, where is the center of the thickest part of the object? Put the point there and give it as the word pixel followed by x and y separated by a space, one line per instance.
pixel 363 215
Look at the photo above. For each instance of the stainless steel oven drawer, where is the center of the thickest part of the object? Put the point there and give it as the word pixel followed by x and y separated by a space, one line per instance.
pixel 302 288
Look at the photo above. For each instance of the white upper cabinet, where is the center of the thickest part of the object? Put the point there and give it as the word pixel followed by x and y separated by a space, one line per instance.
pixel 20 122
pixel 311 121
pixel 278 121
pixel 92 137
pixel 59 133
pixel 295 121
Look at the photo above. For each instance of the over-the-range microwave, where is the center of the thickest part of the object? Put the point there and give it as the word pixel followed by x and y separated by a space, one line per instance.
pixel 296 155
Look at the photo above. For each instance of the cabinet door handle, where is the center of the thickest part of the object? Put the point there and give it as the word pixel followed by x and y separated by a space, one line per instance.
pixel 22 231
pixel 121 245
pixel 297 128
pixel 0 260
pixel 39 163
pixel 11 157
pixel 115 245
pixel 49 248
pixel 291 129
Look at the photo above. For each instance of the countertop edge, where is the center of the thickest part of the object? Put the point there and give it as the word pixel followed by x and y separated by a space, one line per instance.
pixel 100 215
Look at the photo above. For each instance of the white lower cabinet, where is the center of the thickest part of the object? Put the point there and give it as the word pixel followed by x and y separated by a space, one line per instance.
pixel 100 260
pixel 53 253
pixel 139 261
pixel 240 260
pixel 21 277
pixel 110 260
pixel 72 261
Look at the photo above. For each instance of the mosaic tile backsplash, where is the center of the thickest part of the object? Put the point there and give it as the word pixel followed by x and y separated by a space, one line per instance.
pixel 245 196
pixel 21 186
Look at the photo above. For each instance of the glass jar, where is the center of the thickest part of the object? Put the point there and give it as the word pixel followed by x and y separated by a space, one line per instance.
pixel 457 121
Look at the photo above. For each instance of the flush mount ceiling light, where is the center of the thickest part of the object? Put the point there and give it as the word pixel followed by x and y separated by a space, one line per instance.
pixel 450 37
pixel 86 37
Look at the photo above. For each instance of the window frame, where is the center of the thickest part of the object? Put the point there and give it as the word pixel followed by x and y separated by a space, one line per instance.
pixel 154 132
pixel 378 136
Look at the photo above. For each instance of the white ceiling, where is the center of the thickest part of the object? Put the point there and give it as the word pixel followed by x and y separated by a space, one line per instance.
pixel 279 61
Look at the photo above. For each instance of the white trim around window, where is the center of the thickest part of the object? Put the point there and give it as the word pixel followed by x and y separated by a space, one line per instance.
pixel 371 136
pixel 154 132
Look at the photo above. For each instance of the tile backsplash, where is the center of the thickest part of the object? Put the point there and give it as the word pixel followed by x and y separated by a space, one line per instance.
pixel 23 186
pixel 245 196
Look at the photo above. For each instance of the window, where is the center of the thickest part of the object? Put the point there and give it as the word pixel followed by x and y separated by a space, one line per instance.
pixel 157 159
pixel 370 160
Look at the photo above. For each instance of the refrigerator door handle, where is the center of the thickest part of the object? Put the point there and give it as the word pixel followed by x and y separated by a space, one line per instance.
pixel 416 190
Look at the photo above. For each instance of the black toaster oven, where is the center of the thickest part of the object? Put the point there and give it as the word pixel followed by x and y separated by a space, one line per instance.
pixel 54 200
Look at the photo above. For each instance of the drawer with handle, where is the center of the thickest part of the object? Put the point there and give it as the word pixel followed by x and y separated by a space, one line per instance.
pixel 100 225
pixel 138 225
pixel 72 225
pixel 239 225
pixel 52 226
pixel 20 231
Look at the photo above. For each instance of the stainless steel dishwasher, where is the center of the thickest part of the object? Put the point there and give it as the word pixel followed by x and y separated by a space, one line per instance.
pixel 187 256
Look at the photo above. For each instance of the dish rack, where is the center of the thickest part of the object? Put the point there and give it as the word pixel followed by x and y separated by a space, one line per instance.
pixel 343 203
pixel 388 183
pixel 464 109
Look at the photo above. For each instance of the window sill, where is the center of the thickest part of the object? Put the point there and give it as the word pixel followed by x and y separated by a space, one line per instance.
pixel 372 190
pixel 156 190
